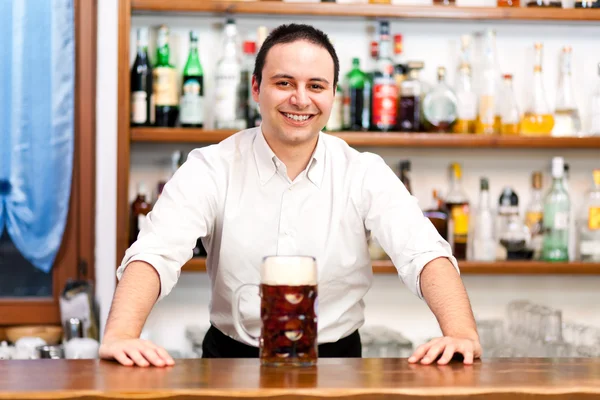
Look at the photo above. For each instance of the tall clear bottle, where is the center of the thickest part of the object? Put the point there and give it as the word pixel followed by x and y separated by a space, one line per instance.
pixel 465 92
pixel 534 215
pixel 192 99
pixel 142 100
pixel 484 242
pixel 440 106
pixel 457 204
pixel 165 83
pixel 567 121
pixel 557 205
pixel 229 106
pixel 589 223
pixel 385 90
pixel 537 118
pixel 509 110
pixel 595 108
pixel 488 113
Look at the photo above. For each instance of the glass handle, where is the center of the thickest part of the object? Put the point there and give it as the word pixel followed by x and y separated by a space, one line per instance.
pixel 237 321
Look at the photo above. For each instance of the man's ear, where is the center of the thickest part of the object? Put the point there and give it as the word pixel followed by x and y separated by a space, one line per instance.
pixel 255 88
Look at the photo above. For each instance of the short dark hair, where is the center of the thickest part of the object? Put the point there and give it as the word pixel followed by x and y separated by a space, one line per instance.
pixel 291 33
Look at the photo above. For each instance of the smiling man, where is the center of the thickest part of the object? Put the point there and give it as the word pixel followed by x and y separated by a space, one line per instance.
pixel 286 188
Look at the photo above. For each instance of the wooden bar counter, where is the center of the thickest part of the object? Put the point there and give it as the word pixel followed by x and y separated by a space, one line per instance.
pixel 355 379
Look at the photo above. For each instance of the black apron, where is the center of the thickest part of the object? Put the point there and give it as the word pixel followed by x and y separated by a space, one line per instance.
pixel 218 345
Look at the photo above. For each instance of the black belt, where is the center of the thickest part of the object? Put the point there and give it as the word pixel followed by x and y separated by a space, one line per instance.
pixel 218 345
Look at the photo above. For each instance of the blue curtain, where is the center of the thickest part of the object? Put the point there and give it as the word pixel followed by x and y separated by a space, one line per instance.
pixel 37 80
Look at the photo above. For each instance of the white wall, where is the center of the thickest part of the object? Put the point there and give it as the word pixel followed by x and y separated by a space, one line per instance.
pixel 435 43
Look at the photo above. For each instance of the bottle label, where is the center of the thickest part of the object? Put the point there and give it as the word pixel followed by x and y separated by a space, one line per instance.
pixel 165 87
pixel 533 220
pixel 226 97
pixel 589 248
pixel 467 106
pixel 460 218
pixel 192 102
pixel 335 118
pixel 594 218
pixel 385 99
pixel 561 220
pixel 139 107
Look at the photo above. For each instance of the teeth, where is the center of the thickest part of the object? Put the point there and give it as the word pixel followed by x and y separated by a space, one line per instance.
pixel 298 117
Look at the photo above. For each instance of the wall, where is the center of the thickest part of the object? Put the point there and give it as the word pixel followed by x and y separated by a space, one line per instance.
pixel 435 43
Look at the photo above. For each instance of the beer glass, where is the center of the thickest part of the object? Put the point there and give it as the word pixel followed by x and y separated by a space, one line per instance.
pixel 288 291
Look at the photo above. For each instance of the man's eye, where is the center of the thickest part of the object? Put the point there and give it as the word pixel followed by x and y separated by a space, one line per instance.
pixel 317 87
pixel 283 83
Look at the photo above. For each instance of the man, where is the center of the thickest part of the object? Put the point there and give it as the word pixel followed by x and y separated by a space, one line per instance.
pixel 286 188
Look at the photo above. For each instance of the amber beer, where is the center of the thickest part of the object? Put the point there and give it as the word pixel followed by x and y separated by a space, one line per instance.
pixel 288 293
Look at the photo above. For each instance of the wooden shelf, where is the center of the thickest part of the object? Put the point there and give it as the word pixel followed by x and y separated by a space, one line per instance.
pixel 366 10
pixel 376 139
pixel 473 267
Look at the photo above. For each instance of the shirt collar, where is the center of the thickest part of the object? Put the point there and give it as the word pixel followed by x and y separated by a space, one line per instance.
pixel 266 160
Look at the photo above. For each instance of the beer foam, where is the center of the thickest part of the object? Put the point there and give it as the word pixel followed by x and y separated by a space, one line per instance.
pixel 289 271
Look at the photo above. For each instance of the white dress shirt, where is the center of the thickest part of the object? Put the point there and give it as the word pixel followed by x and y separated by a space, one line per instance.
pixel 237 196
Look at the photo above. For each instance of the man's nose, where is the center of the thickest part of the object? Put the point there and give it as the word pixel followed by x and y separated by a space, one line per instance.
pixel 300 98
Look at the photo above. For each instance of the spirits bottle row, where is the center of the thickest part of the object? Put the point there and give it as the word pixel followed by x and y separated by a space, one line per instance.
pixel 550 230
pixel 498 3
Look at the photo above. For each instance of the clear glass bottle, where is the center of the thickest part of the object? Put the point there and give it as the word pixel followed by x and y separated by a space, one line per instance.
pixel 557 206
pixel 537 118
pixel 566 114
pixel 509 110
pixel 595 108
pixel 488 109
pixel 229 106
pixel 465 92
pixel 457 204
pixel 534 215
pixel 589 223
pixel 409 113
pixel 484 242
pixel 440 105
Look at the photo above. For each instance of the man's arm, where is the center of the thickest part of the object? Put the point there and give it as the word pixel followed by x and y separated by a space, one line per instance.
pixel 447 298
pixel 134 298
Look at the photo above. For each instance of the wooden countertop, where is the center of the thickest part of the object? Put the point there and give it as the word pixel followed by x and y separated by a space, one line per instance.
pixel 331 378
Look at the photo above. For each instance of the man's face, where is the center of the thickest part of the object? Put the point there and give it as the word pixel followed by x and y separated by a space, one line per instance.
pixel 296 93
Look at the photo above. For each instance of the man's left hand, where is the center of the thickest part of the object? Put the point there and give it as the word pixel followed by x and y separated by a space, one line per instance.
pixel 446 347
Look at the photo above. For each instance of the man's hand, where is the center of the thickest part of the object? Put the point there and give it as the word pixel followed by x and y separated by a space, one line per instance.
pixel 135 352
pixel 446 347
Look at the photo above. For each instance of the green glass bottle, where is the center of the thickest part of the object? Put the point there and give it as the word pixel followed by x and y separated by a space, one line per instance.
pixel 165 83
pixel 354 101
pixel 555 242
pixel 192 99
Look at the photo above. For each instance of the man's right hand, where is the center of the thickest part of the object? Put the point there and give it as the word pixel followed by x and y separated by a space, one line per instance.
pixel 129 352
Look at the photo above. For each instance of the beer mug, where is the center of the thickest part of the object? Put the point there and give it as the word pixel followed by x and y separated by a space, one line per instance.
pixel 288 291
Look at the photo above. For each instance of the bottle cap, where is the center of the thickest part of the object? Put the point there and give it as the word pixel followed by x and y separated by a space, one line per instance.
pixel 558 167
pixel 536 180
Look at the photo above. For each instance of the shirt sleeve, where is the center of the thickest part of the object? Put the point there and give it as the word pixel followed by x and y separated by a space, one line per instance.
pixel 394 218
pixel 184 212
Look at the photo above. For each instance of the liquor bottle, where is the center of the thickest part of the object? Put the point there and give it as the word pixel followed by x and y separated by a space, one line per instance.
pixel 457 204
pixel 534 215
pixel 509 110
pixel 508 3
pixel 484 242
pixel 142 105
pixel 444 2
pixel 589 226
pixel 229 107
pixel 438 215
pixel 192 99
pixel 385 91
pixel 367 118
pixel 336 116
pixel 354 97
pixel 595 108
pixel 488 110
pixel 555 241
pixel 411 89
pixel 544 3
pixel 404 174
pixel 400 67
pixel 440 106
pixel 139 209
pixel 465 94
pixel 251 109
pixel 566 114
pixel 537 119
pixel 165 83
